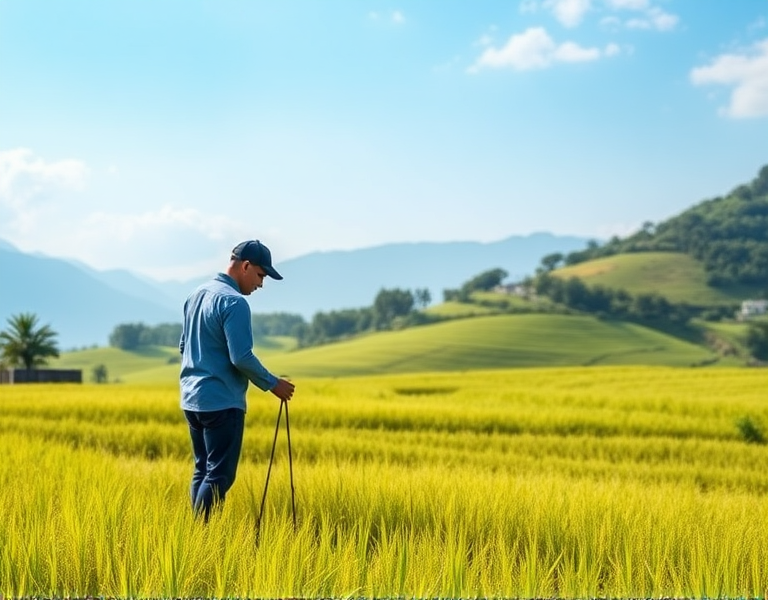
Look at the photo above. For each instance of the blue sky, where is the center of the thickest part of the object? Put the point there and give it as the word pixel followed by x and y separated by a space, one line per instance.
pixel 155 135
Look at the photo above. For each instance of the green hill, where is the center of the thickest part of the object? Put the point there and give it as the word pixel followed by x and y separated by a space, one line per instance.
pixel 461 345
pixel 121 364
pixel 151 364
pixel 728 236
pixel 494 342
pixel 678 277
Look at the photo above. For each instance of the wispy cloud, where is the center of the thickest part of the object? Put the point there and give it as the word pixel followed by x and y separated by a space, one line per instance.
pixel 654 19
pixel 628 4
pixel 395 17
pixel 746 73
pixel 29 183
pixel 44 205
pixel 643 14
pixel 535 49
pixel 570 13
pixel 24 176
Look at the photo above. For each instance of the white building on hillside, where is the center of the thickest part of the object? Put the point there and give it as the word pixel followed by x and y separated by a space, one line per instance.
pixel 753 308
pixel 515 289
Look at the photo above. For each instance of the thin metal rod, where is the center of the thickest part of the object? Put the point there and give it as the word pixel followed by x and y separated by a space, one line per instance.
pixel 269 470
pixel 290 462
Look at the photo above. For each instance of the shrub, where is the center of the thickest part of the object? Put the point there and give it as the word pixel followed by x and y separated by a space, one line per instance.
pixel 750 430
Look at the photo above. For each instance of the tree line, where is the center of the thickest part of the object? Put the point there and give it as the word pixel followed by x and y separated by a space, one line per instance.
pixel 647 308
pixel 131 336
pixel 483 282
pixel 391 309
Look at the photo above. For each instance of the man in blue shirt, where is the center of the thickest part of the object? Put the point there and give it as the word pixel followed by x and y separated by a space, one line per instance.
pixel 217 363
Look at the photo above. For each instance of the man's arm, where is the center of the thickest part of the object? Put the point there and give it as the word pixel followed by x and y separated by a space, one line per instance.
pixel 237 329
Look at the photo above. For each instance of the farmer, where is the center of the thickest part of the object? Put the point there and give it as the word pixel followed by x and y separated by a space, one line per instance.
pixel 217 362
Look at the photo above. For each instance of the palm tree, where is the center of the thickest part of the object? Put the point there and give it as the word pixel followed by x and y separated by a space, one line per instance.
pixel 24 343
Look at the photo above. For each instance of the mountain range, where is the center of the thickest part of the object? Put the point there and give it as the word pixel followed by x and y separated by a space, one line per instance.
pixel 83 305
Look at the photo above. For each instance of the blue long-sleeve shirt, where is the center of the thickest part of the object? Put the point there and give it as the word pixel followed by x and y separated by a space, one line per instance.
pixel 216 346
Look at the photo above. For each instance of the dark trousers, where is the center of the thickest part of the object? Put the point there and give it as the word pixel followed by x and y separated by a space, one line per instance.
pixel 217 438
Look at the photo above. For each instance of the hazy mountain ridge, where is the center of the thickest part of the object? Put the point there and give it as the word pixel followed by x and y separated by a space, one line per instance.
pixel 79 306
pixel 83 304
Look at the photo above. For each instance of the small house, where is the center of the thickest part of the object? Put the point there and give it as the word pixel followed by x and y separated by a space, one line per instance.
pixel 12 376
pixel 753 308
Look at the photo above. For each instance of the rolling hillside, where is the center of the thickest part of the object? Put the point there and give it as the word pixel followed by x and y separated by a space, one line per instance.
pixel 483 342
pixel 149 364
pixel 494 342
pixel 678 277
pixel 84 305
pixel 714 252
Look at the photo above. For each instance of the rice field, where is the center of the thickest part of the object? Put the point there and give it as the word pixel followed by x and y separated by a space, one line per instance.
pixel 619 482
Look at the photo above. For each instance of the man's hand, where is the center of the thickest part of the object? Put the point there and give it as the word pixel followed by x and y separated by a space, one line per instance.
pixel 283 389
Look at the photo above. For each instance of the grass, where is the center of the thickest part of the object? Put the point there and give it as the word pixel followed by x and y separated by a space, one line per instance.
pixel 483 342
pixel 459 309
pixel 618 482
pixel 498 341
pixel 678 277
pixel 121 364
pixel 728 338
pixel 149 364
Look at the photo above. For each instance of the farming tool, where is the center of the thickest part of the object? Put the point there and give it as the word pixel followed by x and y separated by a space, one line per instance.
pixel 269 469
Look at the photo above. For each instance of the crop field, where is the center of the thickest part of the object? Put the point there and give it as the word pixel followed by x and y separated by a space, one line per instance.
pixel 576 482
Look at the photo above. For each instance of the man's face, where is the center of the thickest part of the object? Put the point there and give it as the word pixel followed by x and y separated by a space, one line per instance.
pixel 253 278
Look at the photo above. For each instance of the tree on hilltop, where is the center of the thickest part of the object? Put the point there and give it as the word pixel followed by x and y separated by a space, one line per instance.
pixel 26 344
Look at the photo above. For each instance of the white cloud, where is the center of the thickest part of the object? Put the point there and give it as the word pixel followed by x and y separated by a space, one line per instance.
pixel 25 178
pixel 571 52
pixel 648 17
pixel 653 19
pixel 46 207
pixel 129 227
pixel 661 20
pixel 533 49
pixel 29 186
pixel 570 13
pixel 746 74
pixel 162 242
pixel 398 17
pixel 628 4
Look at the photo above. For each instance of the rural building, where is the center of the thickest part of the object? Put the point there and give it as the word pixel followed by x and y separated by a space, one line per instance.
pixel 753 308
pixel 41 376
pixel 515 289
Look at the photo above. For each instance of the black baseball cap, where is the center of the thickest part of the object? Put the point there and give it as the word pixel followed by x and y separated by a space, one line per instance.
pixel 258 254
